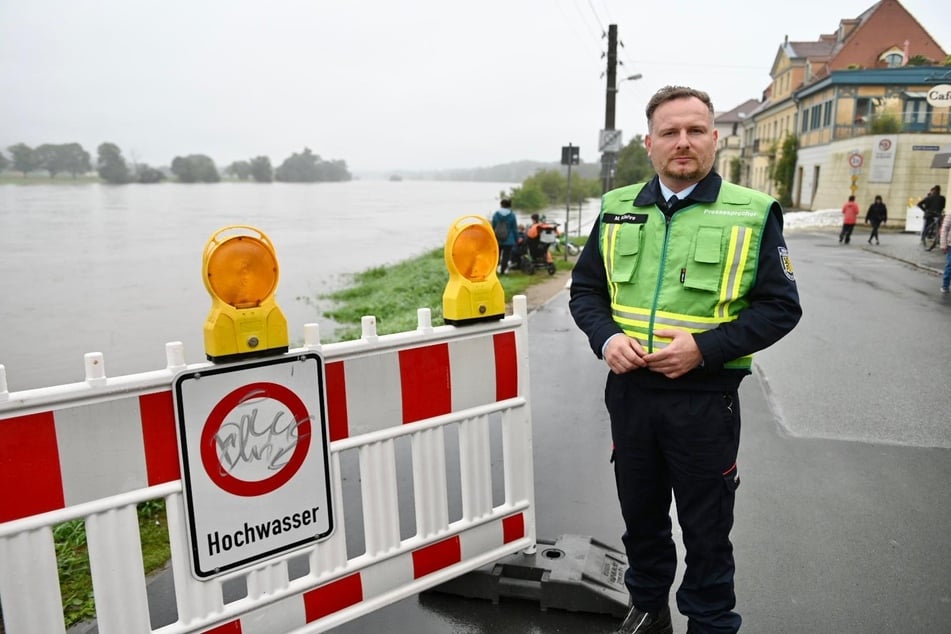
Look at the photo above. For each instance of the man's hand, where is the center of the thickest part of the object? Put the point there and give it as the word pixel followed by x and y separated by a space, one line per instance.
pixel 679 357
pixel 623 354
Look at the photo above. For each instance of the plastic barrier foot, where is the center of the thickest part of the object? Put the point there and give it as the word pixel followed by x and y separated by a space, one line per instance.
pixel 574 573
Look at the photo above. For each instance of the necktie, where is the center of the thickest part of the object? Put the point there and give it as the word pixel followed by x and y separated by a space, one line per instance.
pixel 672 202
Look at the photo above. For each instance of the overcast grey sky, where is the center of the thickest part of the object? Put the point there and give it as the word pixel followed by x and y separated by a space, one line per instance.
pixel 418 84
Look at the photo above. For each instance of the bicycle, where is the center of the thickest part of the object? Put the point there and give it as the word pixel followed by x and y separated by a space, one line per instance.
pixel 929 236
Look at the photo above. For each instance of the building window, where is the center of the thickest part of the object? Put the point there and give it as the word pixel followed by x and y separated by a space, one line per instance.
pixel 816 118
pixel 893 60
pixel 863 110
pixel 827 114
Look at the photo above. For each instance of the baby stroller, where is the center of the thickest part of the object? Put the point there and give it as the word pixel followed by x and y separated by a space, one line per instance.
pixel 538 256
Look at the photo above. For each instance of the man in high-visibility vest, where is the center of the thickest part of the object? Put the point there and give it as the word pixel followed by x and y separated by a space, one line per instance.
pixel 683 278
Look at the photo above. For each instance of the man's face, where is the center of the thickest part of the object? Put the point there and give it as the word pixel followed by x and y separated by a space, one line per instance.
pixel 682 142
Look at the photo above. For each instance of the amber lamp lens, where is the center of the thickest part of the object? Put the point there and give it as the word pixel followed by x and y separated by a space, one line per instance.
pixel 242 272
pixel 472 253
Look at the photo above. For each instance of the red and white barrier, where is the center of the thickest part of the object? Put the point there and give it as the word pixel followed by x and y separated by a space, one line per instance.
pixel 95 449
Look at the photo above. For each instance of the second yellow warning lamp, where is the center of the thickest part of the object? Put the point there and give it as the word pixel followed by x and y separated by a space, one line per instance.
pixel 474 292
pixel 240 270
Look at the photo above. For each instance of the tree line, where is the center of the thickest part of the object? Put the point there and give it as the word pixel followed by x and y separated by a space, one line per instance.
pixel 112 167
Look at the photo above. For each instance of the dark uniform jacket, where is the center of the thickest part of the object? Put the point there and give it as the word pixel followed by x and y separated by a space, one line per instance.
pixel 774 300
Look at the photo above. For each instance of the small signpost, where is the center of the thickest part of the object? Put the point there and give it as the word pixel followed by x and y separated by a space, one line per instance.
pixel 254 452
pixel 855 165
pixel 570 155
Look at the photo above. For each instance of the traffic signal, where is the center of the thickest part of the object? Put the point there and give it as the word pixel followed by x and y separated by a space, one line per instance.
pixel 240 269
pixel 474 292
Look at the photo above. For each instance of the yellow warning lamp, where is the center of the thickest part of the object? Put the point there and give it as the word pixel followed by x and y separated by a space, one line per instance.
pixel 240 270
pixel 474 292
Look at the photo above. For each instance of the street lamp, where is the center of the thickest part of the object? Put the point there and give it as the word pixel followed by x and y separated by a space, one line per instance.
pixel 633 77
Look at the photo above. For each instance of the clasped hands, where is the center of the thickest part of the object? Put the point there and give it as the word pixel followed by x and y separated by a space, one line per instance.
pixel 681 355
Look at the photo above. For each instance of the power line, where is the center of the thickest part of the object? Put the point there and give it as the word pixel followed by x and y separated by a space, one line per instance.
pixel 574 26
pixel 596 17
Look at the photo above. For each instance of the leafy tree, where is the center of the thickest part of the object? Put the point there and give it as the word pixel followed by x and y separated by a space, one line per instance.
pixel 633 164
pixel 66 157
pixel 885 123
pixel 111 166
pixel 547 188
pixel 333 171
pixel 919 60
pixel 195 168
pixel 298 168
pixel 261 170
pixel 4 162
pixel 240 170
pixel 736 166
pixel 24 158
pixel 148 175
pixel 528 197
pixel 308 167
pixel 783 170
pixel 77 159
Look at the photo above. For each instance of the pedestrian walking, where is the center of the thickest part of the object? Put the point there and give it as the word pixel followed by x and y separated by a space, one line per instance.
pixel 505 226
pixel 876 215
pixel 850 212
pixel 682 279
pixel 945 242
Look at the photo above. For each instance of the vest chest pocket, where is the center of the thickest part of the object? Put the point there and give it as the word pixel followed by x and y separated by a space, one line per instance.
pixel 626 249
pixel 704 265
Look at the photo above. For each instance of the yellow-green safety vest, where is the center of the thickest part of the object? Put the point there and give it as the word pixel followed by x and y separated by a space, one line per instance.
pixel 690 273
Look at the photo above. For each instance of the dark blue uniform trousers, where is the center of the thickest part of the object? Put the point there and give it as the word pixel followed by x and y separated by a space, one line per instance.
pixel 683 442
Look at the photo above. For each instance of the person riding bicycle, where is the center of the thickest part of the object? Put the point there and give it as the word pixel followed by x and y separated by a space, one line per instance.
pixel 933 206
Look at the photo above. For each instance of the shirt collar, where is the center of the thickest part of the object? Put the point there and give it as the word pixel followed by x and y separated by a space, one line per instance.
pixel 706 191
pixel 668 192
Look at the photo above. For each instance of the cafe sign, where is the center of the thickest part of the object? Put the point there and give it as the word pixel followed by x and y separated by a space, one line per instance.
pixel 940 96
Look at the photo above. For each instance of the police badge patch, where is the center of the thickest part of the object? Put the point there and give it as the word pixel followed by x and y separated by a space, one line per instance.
pixel 786 262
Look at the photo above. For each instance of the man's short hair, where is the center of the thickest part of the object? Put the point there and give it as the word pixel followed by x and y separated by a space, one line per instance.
pixel 669 93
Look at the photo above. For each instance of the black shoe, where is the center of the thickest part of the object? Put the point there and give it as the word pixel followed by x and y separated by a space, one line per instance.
pixel 638 622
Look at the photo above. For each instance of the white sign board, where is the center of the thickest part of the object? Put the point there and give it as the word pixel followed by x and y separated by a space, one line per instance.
pixel 254 450
pixel 883 158
pixel 940 96
pixel 610 141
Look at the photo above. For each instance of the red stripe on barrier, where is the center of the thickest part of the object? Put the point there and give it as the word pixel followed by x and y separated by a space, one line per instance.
pixel 231 627
pixel 337 401
pixel 333 597
pixel 425 382
pixel 30 478
pixel 436 556
pixel 513 528
pixel 506 366
pixel 157 412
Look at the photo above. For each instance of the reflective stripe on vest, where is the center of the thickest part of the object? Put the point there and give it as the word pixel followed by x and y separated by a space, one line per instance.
pixel 690 273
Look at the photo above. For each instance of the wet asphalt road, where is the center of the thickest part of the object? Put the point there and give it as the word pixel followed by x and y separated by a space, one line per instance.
pixel 844 510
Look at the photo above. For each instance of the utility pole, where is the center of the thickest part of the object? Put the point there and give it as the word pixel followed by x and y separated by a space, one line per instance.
pixel 609 138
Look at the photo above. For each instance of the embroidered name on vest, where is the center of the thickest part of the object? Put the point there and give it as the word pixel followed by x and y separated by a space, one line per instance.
pixel 617 219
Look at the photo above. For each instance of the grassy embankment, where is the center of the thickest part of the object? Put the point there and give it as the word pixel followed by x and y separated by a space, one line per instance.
pixel 393 293
pixel 37 178
pixel 390 293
